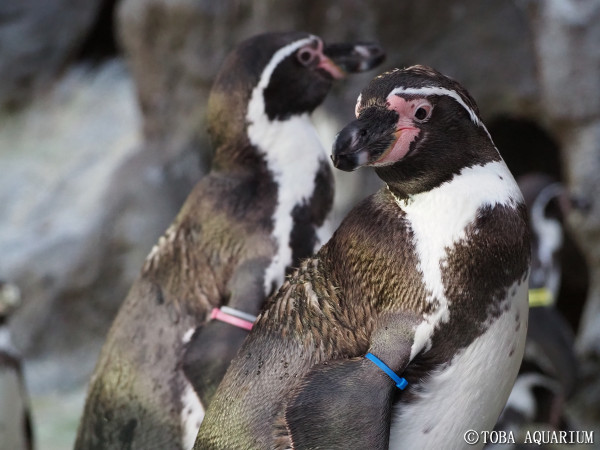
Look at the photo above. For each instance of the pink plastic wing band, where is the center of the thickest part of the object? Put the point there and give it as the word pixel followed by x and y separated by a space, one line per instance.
pixel 217 314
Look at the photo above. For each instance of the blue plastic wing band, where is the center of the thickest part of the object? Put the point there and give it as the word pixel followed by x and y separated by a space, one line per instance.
pixel 401 383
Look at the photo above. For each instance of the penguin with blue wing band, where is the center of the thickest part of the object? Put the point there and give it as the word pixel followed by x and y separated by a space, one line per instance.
pixel 430 274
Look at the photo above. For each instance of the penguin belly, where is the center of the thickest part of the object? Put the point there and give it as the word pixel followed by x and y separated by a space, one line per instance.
pixel 469 390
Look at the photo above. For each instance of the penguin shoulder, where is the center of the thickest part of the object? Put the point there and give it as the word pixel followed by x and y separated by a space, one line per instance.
pixel 373 220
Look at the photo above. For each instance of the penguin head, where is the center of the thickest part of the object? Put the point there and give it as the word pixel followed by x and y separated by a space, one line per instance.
pixel 417 128
pixel 275 76
pixel 548 203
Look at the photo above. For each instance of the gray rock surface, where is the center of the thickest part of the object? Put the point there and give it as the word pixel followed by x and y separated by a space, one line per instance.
pixel 80 206
pixel 37 40
pixel 566 34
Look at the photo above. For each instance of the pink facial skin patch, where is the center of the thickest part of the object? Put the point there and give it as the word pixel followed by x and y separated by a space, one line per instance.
pixel 400 147
pixel 410 113
pixel 330 67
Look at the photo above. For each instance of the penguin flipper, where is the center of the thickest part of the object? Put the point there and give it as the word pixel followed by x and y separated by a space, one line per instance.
pixel 214 344
pixel 348 403
pixel 344 404
pixel 208 355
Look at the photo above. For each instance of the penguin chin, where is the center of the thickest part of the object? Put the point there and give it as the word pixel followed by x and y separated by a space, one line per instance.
pixel 327 75
pixel 383 162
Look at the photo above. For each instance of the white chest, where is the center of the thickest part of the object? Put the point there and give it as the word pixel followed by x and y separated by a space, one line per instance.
pixel 471 391
pixel 294 154
pixel 439 219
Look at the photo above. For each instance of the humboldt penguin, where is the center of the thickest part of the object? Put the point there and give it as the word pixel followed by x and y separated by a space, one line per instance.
pixel 407 328
pixel 261 208
pixel 15 420
pixel 549 371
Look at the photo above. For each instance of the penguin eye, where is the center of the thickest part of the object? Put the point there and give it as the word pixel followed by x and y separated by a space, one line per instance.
pixel 423 112
pixel 306 56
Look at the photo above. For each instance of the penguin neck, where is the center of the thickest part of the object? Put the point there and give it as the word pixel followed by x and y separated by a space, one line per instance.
pixel 291 148
pixel 477 186
pixel 433 166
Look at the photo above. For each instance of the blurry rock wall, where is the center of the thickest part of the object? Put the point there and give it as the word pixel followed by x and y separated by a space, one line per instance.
pixel 566 34
pixel 102 132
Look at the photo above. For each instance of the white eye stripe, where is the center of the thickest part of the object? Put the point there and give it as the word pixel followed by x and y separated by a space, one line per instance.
pixel 279 56
pixel 425 91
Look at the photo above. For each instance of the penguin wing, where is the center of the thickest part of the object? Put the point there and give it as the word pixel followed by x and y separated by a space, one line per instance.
pixel 209 354
pixel 347 403
pixel 214 344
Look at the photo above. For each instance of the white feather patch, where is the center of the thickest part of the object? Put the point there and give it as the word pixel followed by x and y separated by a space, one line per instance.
pixel 164 242
pixel 187 336
pixel 192 414
pixel 293 153
pixel 434 90
pixel 470 392
pixel 550 237
pixel 549 231
pixel 476 187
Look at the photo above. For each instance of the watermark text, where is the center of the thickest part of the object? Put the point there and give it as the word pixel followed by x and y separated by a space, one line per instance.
pixel 473 437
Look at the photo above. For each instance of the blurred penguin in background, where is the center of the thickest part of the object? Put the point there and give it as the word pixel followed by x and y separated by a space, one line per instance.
pixel 549 371
pixel 15 423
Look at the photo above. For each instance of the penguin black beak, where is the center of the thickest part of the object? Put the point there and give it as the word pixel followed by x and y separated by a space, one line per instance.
pixel 355 57
pixel 365 139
